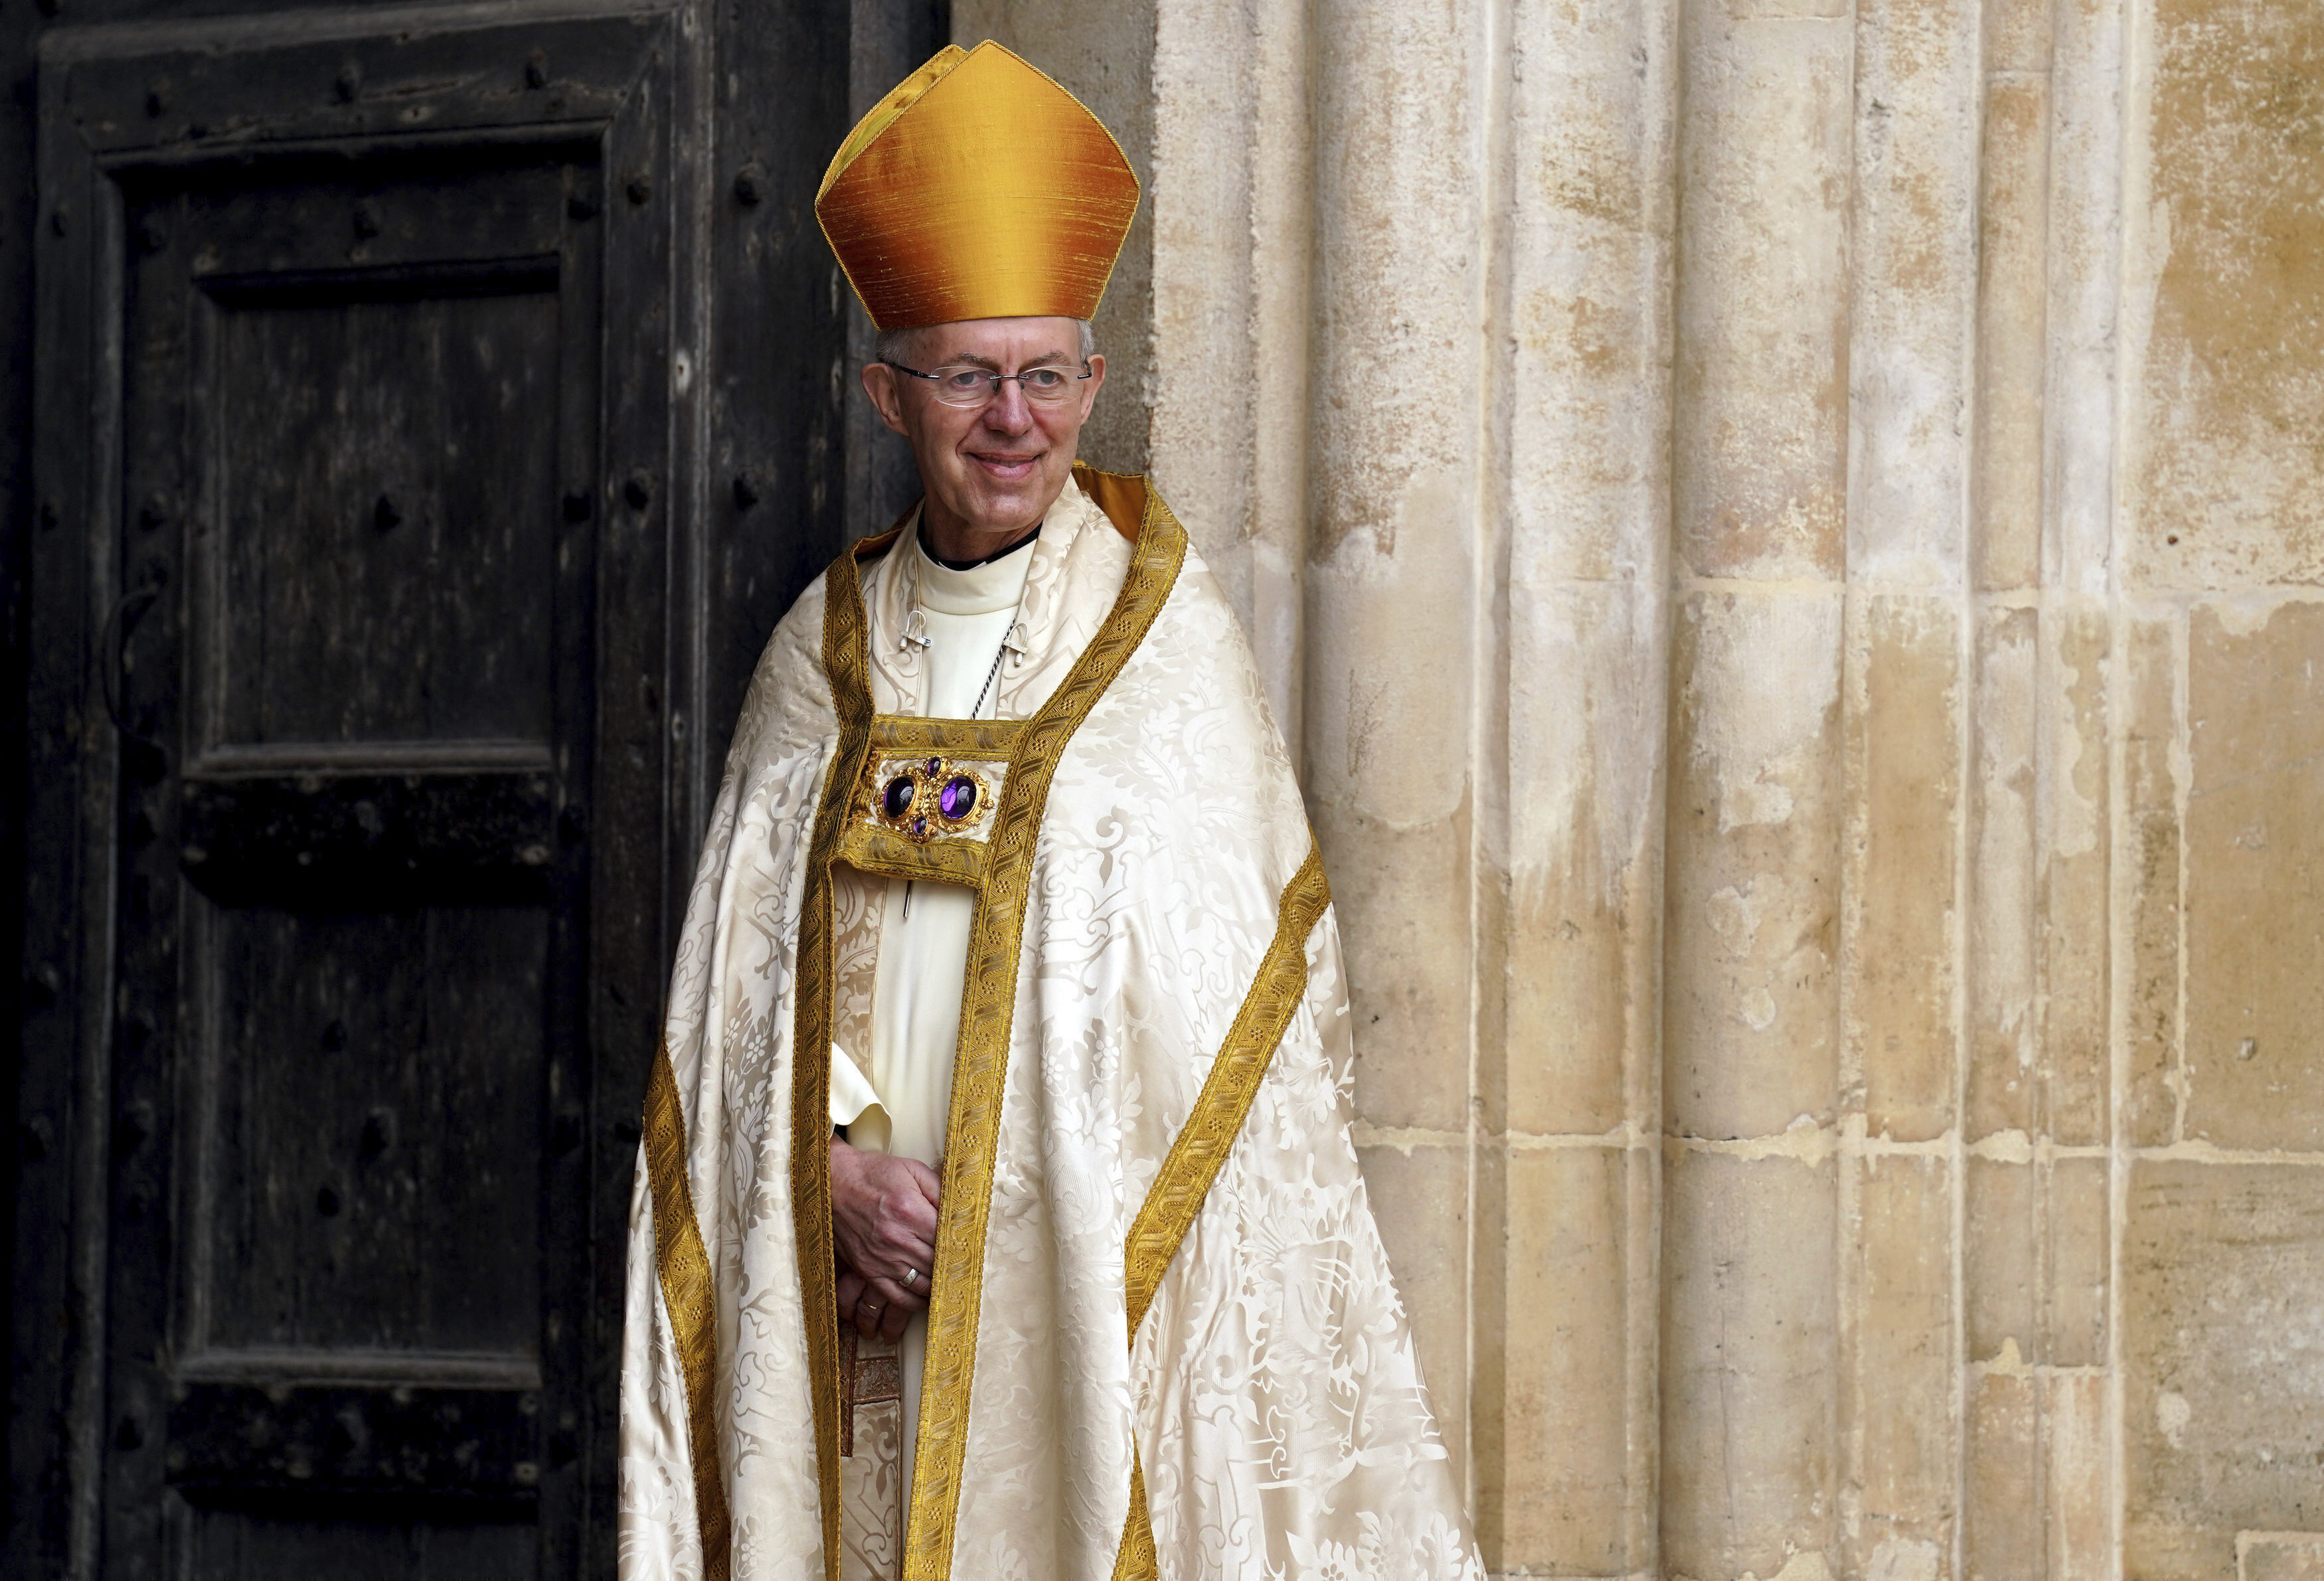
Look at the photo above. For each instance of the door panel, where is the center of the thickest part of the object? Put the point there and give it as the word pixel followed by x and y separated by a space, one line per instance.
pixel 439 407
pixel 386 573
pixel 368 989
pixel 367 490
pixel 374 1107
pixel 234 1545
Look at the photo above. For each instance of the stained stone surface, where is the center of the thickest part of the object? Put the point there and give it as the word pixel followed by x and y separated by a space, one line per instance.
pixel 1787 538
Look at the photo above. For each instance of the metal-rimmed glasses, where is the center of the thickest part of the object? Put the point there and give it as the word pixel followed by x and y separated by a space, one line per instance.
pixel 966 384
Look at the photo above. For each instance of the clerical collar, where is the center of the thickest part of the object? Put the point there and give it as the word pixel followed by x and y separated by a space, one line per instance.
pixel 969 565
pixel 983 587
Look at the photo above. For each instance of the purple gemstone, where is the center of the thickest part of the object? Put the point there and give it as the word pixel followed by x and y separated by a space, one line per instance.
pixel 936 765
pixel 898 796
pixel 920 827
pixel 959 798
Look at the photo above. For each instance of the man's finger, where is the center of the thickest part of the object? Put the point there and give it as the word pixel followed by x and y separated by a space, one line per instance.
pixel 870 1311
pixel 892 1322
pixel 889 1293
pixel 917 1252
pixel 931 1186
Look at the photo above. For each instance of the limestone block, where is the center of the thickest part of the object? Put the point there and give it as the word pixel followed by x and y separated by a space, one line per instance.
pixel 2075 857
pixel 1587 232
pixel 1396 356
pixel 1582 940
pixel 1419 1196
pixel 2149 885
pixel 1748 1394
pixel 2037 1459
pixel 1204 285
pixel 2017 37
pixel 1912 312
pixel 2223 1357
pixel 1899 1403
pixel 1402 900
pixel 2254 1055
pixel 1760 407
pixel 2076 1227
pixel 2035 1260
pixel 1386 780
pixel 1903 738
pixel 2001 1515
pixel 2002 953
pixel 2013 289
pixel 2280 1555
pixel 2077 1486
pixel 2001 1261
pixel 2227 483
pixel 2081 323
pixel 1566 1414
pixel 1754 863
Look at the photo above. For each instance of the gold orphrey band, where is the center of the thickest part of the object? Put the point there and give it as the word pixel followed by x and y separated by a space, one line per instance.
pixel 955 1285
pixel 683 1267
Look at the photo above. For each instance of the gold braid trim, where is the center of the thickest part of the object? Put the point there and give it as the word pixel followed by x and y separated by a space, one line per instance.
pixel 843 667
pixel 868 848
pixel 988 1005
pixel 977 738
pixel 1201 1149
pixel 1137 1560
pixel 684 1268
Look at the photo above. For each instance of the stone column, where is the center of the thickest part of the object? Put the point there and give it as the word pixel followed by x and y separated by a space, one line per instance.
pixel 1403 110
pixel 1750 1395
pixel 1568 875
pixel 1786 534
pixel 2216 1346
pixel 1912 345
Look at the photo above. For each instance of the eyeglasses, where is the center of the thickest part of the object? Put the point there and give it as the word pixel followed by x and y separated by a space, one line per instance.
pixel 964 384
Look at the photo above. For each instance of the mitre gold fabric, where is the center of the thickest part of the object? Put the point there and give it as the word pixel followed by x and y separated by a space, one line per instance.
pixel 978 188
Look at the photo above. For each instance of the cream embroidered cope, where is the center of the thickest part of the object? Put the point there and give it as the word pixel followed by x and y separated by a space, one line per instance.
pixel 1151 1104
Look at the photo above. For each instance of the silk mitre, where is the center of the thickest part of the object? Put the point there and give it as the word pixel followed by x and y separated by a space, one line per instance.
pixel 1163 1340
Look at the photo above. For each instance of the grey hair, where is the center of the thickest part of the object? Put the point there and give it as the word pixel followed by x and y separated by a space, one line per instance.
pixel 899 346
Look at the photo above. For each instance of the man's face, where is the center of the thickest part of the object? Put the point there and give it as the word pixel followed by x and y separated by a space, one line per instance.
pixel 990 470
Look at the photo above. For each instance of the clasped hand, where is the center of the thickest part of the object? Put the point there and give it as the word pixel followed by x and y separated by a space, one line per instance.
pixel 883 1216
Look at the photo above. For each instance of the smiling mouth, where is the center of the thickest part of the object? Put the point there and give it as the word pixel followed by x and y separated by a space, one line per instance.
pixel 1006 465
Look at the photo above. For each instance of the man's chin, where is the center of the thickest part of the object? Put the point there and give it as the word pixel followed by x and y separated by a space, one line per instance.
pixel 1006 510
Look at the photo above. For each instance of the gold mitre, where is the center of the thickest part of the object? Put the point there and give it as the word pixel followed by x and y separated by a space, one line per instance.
pixel 979 189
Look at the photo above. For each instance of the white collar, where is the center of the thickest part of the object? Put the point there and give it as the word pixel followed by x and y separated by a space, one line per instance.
pixel 980 589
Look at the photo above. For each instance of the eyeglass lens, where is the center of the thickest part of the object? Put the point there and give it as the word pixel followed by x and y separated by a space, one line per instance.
pixel 973 386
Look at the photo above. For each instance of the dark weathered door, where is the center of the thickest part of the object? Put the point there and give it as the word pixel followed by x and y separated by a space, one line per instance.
pixel 376 630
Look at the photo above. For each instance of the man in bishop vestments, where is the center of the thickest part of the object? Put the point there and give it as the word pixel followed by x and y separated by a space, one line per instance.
pixel 998 1215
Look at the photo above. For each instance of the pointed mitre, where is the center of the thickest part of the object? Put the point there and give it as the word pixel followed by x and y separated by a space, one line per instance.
pixel 979 189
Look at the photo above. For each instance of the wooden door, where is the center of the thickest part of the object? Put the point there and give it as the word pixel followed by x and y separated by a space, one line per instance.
pixel 374 609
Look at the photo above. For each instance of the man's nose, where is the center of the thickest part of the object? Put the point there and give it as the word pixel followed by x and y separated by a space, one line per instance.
pixel 1008 412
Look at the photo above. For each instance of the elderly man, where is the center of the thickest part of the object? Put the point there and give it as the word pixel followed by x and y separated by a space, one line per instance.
pixel 998 1213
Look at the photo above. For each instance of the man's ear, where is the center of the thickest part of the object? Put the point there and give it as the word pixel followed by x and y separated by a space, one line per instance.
pixel 879 384
pixel 1096 382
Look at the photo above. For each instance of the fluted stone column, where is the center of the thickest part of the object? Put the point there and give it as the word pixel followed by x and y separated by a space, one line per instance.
pixel 1787 536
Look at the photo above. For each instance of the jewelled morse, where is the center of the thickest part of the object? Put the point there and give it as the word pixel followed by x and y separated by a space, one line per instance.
pixel 922 798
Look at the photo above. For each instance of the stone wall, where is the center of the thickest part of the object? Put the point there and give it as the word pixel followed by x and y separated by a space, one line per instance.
pixel 1787 537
